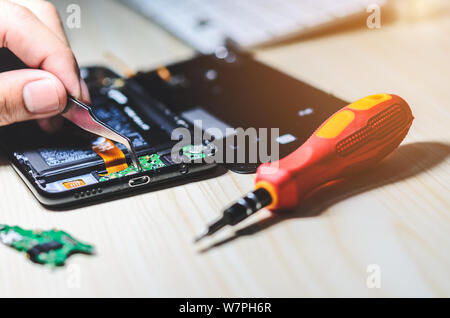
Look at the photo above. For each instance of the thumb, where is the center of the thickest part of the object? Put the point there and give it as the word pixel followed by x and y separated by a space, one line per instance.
pixel 30 94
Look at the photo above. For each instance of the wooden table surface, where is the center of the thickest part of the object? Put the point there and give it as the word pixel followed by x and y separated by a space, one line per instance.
pixel 396 216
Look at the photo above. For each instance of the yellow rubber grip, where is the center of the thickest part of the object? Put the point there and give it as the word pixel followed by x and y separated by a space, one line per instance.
pixel 336 124
pixel 369 102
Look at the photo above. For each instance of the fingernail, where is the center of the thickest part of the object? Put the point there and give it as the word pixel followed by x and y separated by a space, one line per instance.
pixel 85 92
pixel 41 96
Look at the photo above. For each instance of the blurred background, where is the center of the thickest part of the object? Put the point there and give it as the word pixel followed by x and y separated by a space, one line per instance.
pixel 328 41
pixel 314 40
pixel 207 25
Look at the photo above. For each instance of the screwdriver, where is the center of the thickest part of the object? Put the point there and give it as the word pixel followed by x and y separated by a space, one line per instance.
pixel 351 140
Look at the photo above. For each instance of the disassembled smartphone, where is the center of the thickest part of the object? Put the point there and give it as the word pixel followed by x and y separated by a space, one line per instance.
pixel 222 90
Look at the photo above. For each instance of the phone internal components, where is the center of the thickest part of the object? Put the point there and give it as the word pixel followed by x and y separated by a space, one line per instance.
pixel 154 161
pixel 150 162
pixel 113 157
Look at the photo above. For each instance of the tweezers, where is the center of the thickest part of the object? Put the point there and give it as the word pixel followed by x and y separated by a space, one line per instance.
pixel 83 116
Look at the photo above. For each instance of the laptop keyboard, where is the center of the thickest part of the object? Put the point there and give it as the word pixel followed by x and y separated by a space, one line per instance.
pixel 207 24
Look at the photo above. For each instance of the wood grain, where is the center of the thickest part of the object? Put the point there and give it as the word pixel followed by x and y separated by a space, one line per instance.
pixel 397 216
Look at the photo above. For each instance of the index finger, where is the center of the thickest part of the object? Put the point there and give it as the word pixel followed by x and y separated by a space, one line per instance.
pixel 47 13
pixel 37 46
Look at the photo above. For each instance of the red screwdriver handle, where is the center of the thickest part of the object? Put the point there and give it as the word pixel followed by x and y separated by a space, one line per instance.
pixel 355 138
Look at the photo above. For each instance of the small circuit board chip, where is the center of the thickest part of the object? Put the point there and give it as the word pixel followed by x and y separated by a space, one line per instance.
pixel 194 153
pixel 43 247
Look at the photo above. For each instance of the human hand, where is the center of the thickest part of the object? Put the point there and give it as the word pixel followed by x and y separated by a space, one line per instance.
pixel 32 30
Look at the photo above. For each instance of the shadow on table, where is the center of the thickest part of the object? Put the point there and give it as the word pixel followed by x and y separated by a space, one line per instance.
pixel 407 161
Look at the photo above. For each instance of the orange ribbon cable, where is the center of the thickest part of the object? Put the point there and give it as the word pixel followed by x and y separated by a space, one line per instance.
pixel 113 157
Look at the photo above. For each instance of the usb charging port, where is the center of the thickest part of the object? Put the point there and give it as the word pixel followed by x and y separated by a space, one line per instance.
pixel 139 181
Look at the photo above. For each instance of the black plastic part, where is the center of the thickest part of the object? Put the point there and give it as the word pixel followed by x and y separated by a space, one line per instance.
pixel 248 205
pixel 246 94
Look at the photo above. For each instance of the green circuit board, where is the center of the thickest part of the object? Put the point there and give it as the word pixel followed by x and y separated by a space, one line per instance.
pixel 153 162
pixel 43 247
pixel 150 162
pixel 193 152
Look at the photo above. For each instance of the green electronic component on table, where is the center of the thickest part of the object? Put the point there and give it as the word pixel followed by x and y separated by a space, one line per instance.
pixel 43 247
